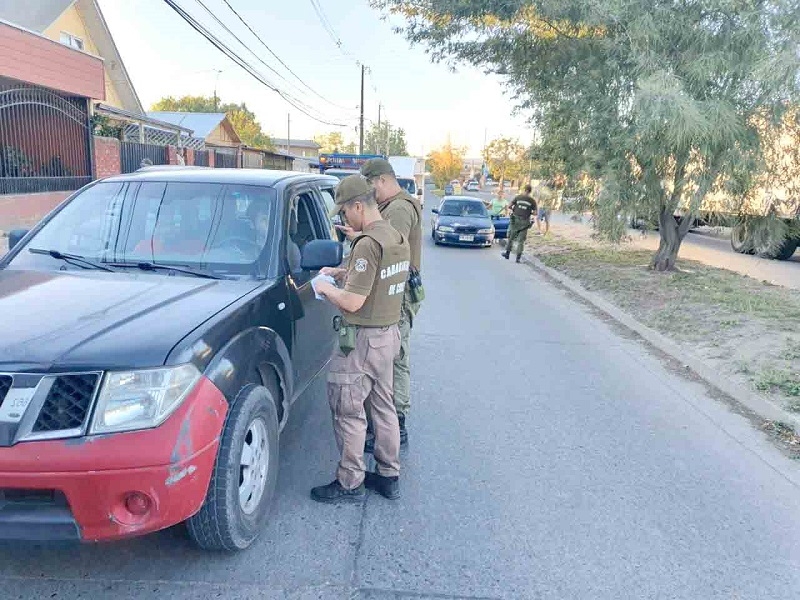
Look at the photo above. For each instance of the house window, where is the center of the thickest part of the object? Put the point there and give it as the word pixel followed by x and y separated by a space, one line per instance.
pixel 72 41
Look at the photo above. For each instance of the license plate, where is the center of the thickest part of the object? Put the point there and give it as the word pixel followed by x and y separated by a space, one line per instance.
pixel 466 238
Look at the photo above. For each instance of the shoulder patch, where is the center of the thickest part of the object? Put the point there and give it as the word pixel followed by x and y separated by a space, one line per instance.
pixel 361 265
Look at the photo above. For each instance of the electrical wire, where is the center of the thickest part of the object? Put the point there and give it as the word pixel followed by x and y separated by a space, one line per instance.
pixel 210 37
pixel 278 58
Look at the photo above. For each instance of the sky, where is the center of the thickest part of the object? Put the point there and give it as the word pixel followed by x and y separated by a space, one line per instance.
pixel 164 56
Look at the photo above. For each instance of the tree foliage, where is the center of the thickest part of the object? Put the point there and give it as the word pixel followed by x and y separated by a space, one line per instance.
pixel 385 139
pixel 334 142
pixel 445 163
pixel 660 100
pixel 506 158
pixel 243 120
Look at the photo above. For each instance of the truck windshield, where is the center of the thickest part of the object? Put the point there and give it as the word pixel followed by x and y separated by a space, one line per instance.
pixel 408 185
pixel 207 225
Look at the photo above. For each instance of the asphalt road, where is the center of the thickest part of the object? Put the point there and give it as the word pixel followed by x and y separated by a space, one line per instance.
pixel 550 457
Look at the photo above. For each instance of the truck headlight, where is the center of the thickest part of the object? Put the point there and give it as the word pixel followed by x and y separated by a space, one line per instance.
pixel 487 230
pixel 445 229
pixel 142 399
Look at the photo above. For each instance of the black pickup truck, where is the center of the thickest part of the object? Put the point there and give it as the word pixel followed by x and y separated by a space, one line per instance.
pixel 156 328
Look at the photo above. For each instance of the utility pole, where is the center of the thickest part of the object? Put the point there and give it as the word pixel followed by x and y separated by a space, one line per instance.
pixel 288 132
pixel 361 128
pixel 378 138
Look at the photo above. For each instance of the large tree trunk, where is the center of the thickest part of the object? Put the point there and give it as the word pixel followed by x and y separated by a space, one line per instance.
pixel 671 237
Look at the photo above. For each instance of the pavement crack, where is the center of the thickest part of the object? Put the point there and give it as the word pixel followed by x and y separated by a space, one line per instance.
pixel 359 542
pixel 416 594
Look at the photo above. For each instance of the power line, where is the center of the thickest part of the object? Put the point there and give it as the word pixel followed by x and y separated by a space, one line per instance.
pixel 278 58
pixel 258 58
pixel 241 62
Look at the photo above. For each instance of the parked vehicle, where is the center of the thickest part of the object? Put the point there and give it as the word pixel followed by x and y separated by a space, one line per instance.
pixel 341 165
pixel 473 186
pixel 159 326
pixel 410 173
pixel 462 221
pixel 449 190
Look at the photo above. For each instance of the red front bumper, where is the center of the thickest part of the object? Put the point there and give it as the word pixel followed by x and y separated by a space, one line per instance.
pixel 170 465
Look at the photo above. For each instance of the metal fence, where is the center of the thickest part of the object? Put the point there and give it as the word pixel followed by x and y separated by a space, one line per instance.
pixel 201 158
pixel 224 160
pixel 44 140
pixel 134 156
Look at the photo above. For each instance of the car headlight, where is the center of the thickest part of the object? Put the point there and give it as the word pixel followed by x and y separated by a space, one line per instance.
pixel 487 230
pixel 445 229
pixel 142 399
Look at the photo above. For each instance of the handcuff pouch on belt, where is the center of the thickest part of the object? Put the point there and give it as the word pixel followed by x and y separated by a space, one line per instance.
pixel 347 334
pixel 415 288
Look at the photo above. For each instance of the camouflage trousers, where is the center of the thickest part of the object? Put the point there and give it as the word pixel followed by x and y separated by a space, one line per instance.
pixel 402 364
pixel 517 233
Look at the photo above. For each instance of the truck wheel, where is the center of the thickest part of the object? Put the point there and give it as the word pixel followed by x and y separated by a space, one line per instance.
pixel 245 475
pixel 787 249
pixel 739 240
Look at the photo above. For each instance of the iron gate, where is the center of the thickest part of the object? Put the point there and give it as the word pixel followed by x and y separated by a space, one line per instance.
pixel 224 160
pixel 44 140
pixel 201 158
pixel 134 156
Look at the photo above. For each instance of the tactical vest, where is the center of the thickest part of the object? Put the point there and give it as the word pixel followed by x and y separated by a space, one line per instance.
pixel 382 306
pixel 415 235
pixel 524 206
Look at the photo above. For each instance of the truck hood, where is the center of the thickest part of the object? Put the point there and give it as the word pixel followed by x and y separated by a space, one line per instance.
pixel 99 320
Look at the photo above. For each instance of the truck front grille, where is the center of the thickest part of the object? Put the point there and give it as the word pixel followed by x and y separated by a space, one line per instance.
pixel 67 404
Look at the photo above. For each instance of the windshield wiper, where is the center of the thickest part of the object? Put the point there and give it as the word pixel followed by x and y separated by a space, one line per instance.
pixel 73 259
pixel 149 266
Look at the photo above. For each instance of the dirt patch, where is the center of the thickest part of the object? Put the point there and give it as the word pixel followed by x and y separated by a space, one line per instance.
pixel 747 329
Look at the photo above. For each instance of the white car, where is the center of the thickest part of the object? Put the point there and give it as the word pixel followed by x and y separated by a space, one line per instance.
pixel 473 186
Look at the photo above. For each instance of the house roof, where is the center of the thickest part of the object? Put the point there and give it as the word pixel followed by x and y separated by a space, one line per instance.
pixel 297 143
pixel 201 123
pixel 115 68
pixel 36 16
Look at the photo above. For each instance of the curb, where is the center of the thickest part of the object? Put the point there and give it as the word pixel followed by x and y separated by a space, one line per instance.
pixel 755 403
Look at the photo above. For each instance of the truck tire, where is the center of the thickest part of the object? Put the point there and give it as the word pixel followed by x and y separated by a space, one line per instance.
pixel 739 240
pixel 787 249
pixel 245 475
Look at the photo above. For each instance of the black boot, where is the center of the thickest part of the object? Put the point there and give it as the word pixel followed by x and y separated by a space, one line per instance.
pixel 403 431
pixel 388 487
pixel 505 255
pixel 334 493
pixel 519 257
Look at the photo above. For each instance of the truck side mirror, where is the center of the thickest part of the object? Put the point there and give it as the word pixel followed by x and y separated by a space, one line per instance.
pixel 419 192
pixel 321 253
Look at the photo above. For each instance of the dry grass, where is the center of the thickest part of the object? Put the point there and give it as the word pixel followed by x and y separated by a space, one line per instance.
pixel 746 328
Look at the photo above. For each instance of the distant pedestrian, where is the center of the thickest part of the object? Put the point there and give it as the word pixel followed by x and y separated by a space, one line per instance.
pixel 523 209
pixel 545 197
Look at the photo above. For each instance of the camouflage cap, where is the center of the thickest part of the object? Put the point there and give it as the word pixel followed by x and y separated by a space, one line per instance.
pixel 375 167
pixel 350 187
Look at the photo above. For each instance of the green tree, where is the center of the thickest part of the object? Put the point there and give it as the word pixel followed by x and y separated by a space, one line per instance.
pixel 657 99
pixel 505 158
pixel 446 163
pixel 334 142
pixel 385 139
pixel 330 142
pixel 243 120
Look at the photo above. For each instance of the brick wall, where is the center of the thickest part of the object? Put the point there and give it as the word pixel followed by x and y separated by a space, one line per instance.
pixel 190 156
pixel 106 157
pixel 25 210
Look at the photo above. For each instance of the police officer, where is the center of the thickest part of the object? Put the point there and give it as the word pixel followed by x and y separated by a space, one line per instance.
pixel 361 370
pixel 522 208
pixel 404 213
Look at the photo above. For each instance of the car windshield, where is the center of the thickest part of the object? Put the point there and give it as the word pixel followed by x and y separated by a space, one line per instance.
pixel 463 208
pixel 210 226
